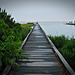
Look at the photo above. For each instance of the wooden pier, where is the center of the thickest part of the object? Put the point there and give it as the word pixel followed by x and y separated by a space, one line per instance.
pixel 43 59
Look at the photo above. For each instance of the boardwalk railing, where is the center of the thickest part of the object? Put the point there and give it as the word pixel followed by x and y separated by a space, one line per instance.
pixel 8 67
pixel 69 70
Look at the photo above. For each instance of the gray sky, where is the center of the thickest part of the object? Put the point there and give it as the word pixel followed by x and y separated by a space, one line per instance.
pixel 40 10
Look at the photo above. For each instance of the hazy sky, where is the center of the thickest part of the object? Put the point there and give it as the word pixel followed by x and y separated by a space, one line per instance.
pixel 40 10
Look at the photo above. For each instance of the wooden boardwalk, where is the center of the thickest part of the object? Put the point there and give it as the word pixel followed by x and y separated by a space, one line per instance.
pixel 42 60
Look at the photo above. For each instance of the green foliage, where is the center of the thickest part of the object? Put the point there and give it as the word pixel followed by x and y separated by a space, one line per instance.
pixel 30 23
pixel 66 47
pixel 70 45
pixel 68 51
pixel 11 37
pixel 7 18
pixel 59 41
pixel 27 25
pixel 25 32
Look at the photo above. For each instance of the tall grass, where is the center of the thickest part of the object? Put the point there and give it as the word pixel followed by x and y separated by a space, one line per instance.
pixel 66 47
pixel 27 25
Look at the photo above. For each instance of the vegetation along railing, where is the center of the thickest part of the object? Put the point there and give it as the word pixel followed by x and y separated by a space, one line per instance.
pixel 8 67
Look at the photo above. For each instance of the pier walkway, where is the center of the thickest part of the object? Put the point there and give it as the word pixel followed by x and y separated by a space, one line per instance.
pixel 42 59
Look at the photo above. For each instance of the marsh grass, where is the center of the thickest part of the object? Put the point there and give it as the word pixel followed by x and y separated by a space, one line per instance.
pixel 27 25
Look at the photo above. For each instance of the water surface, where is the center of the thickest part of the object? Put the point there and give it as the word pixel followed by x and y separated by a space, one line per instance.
pixel 58 29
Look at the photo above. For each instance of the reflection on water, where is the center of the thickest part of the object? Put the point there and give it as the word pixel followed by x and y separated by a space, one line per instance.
pixel 58 28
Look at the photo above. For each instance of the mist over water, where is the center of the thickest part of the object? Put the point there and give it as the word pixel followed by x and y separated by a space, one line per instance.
pixel 58 29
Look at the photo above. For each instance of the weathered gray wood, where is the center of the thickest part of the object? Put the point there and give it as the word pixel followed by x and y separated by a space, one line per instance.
pixel 42 58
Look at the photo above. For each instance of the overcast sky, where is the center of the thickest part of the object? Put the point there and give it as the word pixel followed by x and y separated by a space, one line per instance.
pixel 40 10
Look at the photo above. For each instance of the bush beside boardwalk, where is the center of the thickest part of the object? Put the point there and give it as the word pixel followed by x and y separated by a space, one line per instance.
pixel 11 37
pixel 26 28
pixel 66 47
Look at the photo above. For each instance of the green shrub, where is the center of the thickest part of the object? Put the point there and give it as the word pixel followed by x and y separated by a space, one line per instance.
pixel 66 47
pixel 68 51
pixel 11 38
pixel 59 41
pixel 25 32
pixel 30 23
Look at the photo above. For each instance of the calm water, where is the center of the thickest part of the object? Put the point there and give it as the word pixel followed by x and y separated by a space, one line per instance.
pixel 58 28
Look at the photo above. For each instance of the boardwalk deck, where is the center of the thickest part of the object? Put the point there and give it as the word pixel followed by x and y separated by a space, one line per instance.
pixel 42 58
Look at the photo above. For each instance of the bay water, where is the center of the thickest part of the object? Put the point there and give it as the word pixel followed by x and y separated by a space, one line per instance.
pixel 55 28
